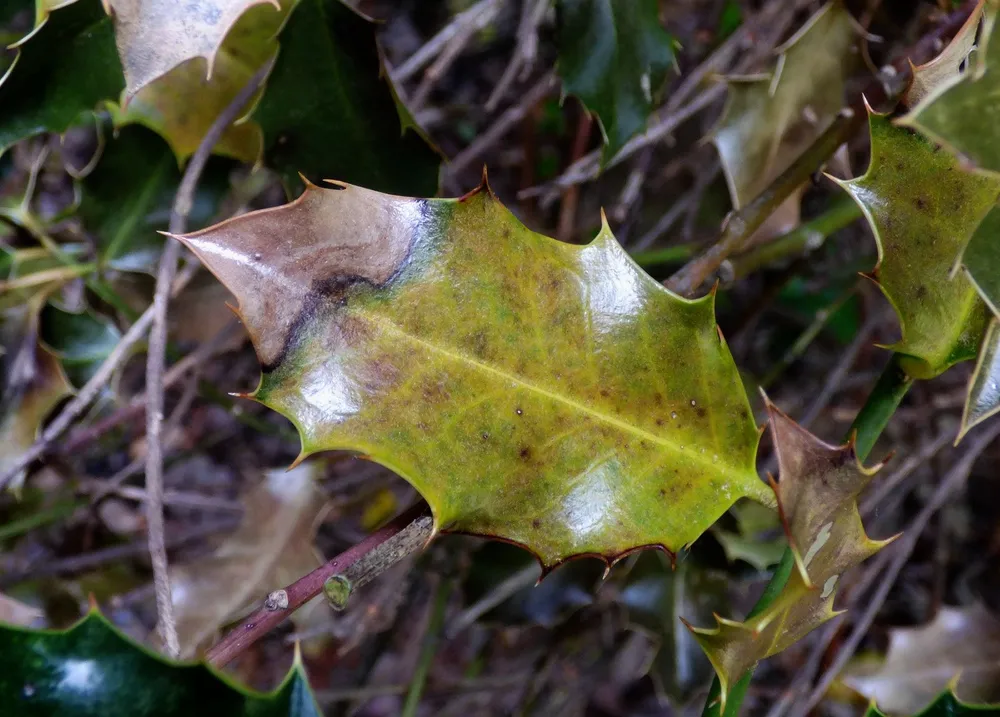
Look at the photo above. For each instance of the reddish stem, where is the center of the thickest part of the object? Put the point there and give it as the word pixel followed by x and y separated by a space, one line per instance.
pixel 305 589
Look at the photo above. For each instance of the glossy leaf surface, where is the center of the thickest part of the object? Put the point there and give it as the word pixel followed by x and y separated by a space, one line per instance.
pixel 614 55
pixel 817 494
pixel 330 112
pixel 923 209
pixel 548 394
pixel 91 670
pixel 63 72
pixel 960 643
pixel 81 341
pixel 272 547
pixel 770 120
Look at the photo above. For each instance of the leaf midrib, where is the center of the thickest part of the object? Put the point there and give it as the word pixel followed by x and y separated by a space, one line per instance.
pixel 721 467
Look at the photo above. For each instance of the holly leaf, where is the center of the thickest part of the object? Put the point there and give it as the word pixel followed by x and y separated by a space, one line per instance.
pixel 154 37
pixel 92 670
pixel 957 113
pixel 769 120
pixel 657 596
pixel 922 210
pixel 946 705
pixel 959 650
pixel 81 340
pixel 129 194
pixel 946 67
pixel 758 539
pixel 614 55
pixel 983 399
pixel 817 497
pixel 183 68
pixel 63 71
pixel 512 379
pixel 272 547
pixel 981 259
pixel 330 110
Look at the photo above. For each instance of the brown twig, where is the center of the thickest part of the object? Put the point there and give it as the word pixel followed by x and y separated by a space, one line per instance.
pixel 408 532
pixel 532 14
pixel 505 122
pixel 156 356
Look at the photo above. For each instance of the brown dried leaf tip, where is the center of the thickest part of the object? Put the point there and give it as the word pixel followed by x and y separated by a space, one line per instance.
pixel 817 498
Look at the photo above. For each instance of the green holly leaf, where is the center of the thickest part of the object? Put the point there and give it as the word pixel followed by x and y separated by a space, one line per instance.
pixel 330 112
pixel 614 55
pixel 983 399
pixel 129 194
pixel 512 379
pixel 92 670
pixel 64 70
pixel 81 341
pixel 958 114
pixel 946 705
pixel 769 120
pixel 923 209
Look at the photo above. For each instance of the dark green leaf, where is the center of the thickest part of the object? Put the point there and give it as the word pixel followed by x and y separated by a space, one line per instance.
pixel 91 670
pixel 657 597
pixel 946 705
pixel 129 195
pixel 80 341
pixel 63 72
pixel 329 111
pixel 614 55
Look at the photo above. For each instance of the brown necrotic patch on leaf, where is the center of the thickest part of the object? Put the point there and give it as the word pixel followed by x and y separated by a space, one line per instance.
pixel 817 495
pixel 533 391
pixel 155 36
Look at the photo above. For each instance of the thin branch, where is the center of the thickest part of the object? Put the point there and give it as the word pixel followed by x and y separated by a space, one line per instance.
pixel 472 22
pixel 532 14
pixel 902 550
pixel 741 225
pixel 408 532
pixel 505 122
pixel 436 44
pixel 156 357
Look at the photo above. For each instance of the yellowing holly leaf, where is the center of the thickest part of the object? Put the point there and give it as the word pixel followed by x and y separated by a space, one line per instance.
pixel 155 36
pixel 960 643
pixel 183 66
pixel 923 209
pixel 547 394
pixel 946 67
pixel 769 120
pixel 32 381
pixel 272 548
pixel 817 495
